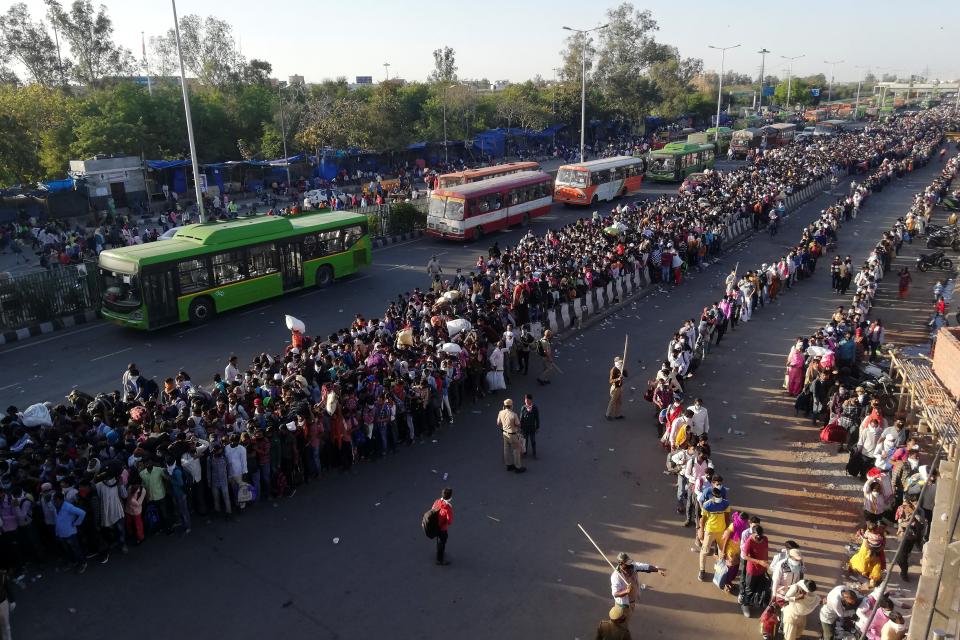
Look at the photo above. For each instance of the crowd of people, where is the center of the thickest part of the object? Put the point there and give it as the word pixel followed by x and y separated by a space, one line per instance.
pixel 98 473
pixel 821 372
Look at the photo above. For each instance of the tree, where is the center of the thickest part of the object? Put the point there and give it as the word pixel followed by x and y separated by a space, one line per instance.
pixel 870 78
pixel 445 65
pixel 162 62
pixel 333 122
pixel 90 35
pixel 521 105
pixel 28 43
pixel 573 54
pixel 255 72
pixel 799 93
pixel 209 50
pixel 673 79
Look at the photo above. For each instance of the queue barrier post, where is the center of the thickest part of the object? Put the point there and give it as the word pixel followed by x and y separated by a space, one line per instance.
pixel 565 315
pixel 552 321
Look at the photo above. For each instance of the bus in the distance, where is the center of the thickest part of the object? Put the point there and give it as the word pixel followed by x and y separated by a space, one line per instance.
pixel 589 182
pixel 205 269
pixel 484 173
pixel 677 160
pixel 469 211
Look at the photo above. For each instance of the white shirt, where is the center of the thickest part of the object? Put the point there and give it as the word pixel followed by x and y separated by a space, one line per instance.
pixel 236 459
pixel 230 373
pixel 700 422
pixel 834 609
pixel 508 339
pixel 619 582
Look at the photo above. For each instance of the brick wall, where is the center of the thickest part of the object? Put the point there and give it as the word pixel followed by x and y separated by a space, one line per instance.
pixel 946 359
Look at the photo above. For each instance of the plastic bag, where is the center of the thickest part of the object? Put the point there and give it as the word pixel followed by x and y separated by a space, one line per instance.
pixel 36 415
pixel 457 326
pixel 295 324
pixel 451 348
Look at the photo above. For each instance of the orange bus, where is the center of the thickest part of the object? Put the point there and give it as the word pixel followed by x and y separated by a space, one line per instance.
pixel 472 175
pixel 469 211
pixel 605 179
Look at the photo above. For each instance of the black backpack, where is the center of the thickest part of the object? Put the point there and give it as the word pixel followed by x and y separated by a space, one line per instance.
pixel 541 350
pixel 431 523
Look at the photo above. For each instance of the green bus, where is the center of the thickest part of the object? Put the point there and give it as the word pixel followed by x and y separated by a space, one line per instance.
pixel 205 269
pixel 677 160
pixel 726 135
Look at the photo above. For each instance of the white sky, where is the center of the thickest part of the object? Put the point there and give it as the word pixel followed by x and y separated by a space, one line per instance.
pixel 515 40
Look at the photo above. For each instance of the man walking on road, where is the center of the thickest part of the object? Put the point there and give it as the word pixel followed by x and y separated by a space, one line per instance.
pixel 444 508
pixel 615 406
pixel 509 424
pixel 530 424
pixel 624 584
pixel 433 268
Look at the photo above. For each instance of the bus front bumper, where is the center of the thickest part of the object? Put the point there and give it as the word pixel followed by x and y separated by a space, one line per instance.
pixel 134 319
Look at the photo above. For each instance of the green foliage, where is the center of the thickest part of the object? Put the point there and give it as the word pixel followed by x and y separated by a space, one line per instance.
pixel 404 218
pixel 799 93
pixel 89 32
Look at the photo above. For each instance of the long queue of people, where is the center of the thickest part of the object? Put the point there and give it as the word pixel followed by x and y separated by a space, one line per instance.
pixel 773 584
pixel 98 473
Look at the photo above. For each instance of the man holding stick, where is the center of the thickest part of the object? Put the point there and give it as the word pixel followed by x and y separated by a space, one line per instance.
pixel 617 374
pixel 624 584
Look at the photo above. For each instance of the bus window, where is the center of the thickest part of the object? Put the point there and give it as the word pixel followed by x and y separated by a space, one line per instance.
pixel 228 267
pixel 262 260
pixel 194 275
pixel 572 177
pixel 436 206
pixel 514 197
pixel 454 210
pixel 496 201
pixel 543 189
pixel 311 248
pixel 353 235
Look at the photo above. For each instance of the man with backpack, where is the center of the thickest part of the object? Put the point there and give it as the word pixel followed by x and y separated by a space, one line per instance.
pixel 437 521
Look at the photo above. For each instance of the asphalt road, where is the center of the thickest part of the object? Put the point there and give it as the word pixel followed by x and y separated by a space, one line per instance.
pixel 346 558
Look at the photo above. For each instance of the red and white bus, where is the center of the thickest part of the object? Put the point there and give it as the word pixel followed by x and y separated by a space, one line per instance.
pixel 469 211
pixel 589 182
pixel 484 173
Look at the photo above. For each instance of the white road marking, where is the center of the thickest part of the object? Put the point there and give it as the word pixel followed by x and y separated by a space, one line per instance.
pixel 10 386
pixel 115 353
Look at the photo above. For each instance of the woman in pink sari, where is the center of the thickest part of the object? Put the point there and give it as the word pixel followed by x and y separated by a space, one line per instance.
pixel 795 368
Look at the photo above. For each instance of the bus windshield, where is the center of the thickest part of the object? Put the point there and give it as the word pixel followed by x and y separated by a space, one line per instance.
pixel 451 181
pixel 662 164
pixel 572 177
pixel 120 289
pixel 449 208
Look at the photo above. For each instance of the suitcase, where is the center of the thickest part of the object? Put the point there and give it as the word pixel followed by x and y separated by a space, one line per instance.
pixel 833 433
pixel 770 621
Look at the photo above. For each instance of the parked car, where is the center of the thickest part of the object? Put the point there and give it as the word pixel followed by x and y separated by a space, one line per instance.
pixel 312 199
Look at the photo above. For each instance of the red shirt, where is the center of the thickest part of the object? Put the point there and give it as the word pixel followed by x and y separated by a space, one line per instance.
pixel 446 513
pixel 759 550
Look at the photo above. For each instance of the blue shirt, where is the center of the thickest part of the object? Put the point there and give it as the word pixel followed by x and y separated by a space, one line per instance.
pixel 69 517
pixel 707 493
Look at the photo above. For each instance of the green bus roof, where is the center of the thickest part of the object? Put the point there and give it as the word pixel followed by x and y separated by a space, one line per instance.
pixel 722 130
pixel 196 239
pixel 677 148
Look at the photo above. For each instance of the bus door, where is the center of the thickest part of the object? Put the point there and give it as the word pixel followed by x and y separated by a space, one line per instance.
pixel 291 264
pixel 160 297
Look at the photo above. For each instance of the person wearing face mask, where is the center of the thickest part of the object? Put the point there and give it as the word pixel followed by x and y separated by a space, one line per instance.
pixel 911 525
pixel 754 589
pixel 111 510
pixel 787 569
pixel 177 477
pixel 714 520
pixel 871 628
pixel 617 375
pixel 217 473
pixel 624 585
pixel 801 599
pixel 895 628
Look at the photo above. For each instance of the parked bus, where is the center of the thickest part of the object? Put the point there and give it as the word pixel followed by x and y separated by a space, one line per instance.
pixel 589 182
pixel 677 160
pixel 469 211
pixel 784 133
pixel 484 173
pixel 829 128
pixel 723 143
pixel 205 269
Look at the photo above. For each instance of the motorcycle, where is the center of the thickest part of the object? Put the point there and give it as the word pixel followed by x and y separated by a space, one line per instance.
pixel 944 238
pixel 882 388
pixel 934 260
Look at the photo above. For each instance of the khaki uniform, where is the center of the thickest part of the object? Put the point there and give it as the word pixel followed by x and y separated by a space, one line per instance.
pixel 509 423
pixel 615 406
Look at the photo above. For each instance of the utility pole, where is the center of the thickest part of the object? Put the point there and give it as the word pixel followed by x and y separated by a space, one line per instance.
pixel 386 70
pixel 583 84
pixel 186 108
pixel 856 103
pixel 833 67
pixel 146 68
pixel 763 59
pixel 790 60
pixel 723 56
pixel 283 133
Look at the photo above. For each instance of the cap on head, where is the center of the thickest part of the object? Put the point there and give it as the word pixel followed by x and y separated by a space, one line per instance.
pixel 616 613
pixel 508 402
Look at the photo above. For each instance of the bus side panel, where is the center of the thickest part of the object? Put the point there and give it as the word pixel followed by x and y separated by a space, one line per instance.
pixel 235 295
pixel 633 183
pixel 609 190
pixel 530 209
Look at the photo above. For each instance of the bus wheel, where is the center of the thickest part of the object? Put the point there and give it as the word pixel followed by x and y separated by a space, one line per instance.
pixel 201 310
pixel 324 276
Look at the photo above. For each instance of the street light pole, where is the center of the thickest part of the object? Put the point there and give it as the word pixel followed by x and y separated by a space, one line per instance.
pixel 386 69
pixel 856 103
pixel 833 67
pixel 283 133
pixel 790 60
pixel 186 108
pixel 723 56
pixel 763 59
pixel 446 158
pixel 583 85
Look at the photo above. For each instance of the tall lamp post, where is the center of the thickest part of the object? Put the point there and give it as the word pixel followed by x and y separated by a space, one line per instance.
pixel 833 67
pixel 583 83
pixel 723 56
pixel 763 60
pixel 856 103
pixel 790 60
pixel 283 133
pixel 186 109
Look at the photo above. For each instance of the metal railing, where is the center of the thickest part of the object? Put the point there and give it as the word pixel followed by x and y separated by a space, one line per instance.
pixel 34 298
